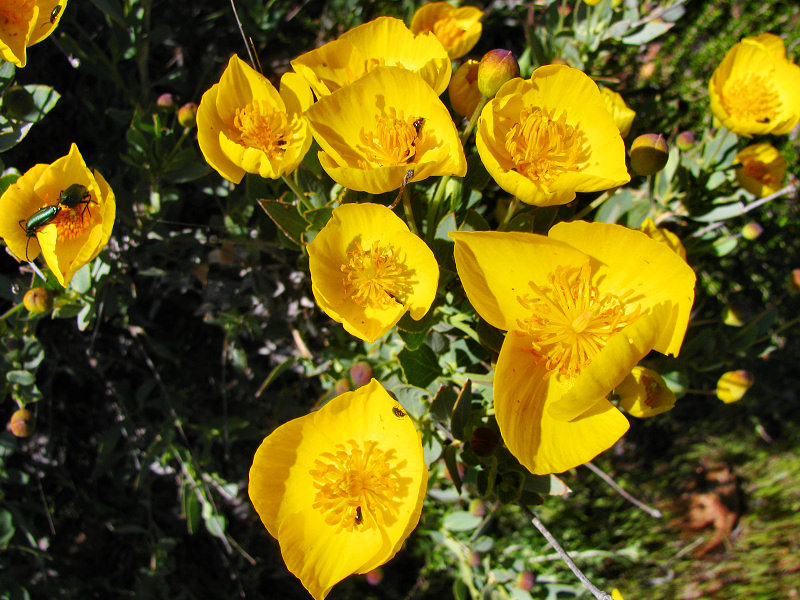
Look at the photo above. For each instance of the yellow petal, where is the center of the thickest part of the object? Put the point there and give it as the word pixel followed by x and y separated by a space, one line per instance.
pixel 44 27
pixel 540 442
pixel 762 169
pixel 16 29
pixel 663 236
pixel 632 261
pixel 368 269
pixel 643 393
pixel 458 29
pixel 328 530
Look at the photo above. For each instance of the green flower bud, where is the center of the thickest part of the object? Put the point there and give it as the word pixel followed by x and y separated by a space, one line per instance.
pixel 477 507
pixel 496 68
pixel 649 154
pixel 685 140
pixel 187 115
pixel 21 423
pixel 38 300
pixel 752 230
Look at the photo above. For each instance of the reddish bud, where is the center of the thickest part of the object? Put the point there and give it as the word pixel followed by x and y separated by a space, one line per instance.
pixel 375 576
pixel 360 373
pixel 496 68
pixel 484 441
pixel 685 140
pixel 21 423
pixel 525 580
pixel 649 154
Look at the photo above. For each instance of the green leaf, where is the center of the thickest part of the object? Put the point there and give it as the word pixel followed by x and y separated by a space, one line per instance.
pixel 215 524
pixel 7 181
pixel 545 484
pixel 443 403
pixel 44 99
pixel 286 219
pixel 420 367
pixel 20 377
pixel 6 529
pixel 648 33
pixel 461 521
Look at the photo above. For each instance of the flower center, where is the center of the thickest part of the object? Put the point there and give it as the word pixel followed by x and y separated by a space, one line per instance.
pixel 358 486
pixel 543 147
pixel 448 32
pixel 761 173
pixel 260 126
pixel 570 322
pixel 375 277
pixel 394 141
pixel 14 12
pixel 752 98
pixel 74 222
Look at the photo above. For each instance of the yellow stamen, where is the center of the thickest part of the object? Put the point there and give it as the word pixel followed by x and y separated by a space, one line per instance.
pixel 543 147
pixel 375 277
pixel 358 486
pixel 752 98
pixel 72 223
pixel 394 141
pixel 570 322
pixel 259 125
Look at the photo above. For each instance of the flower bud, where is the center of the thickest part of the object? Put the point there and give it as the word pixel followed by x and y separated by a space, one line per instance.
pixel 38 300
pixel 793 282
pixel 21 423
pixel 685 140
pixel 644 393
pixel 463 88
pixel 477 508
pixel 474 559
pixel 375 576
pixel 525 580
pixel 341 386
pixel 187 115
pixel 649 154
pixel 484 441
pixel 496 68
pixel 733 385
pixel 735 314
pixel 165 101
pixel 752 230
pixel 361 373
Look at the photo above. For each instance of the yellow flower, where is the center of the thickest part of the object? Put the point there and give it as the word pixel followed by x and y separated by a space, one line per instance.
pixel 615 593
pixel 383 41
pixel 756 89
pixel 545 138
pixel 368 269
pixel 665 236
pixel 457 28
pixel 24 23
pixel 733 385
pixel 581 306
pixel 622 115
pixel 375 130
pixel 644 393
pixel 79 209
pixel 762 169
pixel 340 488
pixel 244 125
pixel 463 89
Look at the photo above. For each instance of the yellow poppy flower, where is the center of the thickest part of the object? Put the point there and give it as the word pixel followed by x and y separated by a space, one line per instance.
pixel 78 207
pixel 762 169
pixel 733 385
pixel 756 89
pixel 340 488
pixel 457 28
pixel 463 89
pixel 664 236
pixel 244 125
pixel 543 139
pixel 582 306
pixel 644 393
pixel 382 41
pixel 368 269
pixel 622 115
pixel 375 130
pixel 24 23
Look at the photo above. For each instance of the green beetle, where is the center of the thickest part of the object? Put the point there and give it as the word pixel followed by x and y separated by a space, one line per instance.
pixel 36 221
pixel 74 195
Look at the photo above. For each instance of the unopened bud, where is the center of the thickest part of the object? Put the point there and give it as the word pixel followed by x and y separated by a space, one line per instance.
pixel 525 580
pixel 21 423
pixel 375 576
pixel 496 68
pixel 649 154
pixel 165 101
pixel 341 386
pixel 752 230
pixel 187 115
pixel 484 441
pixel 38 300
pixel 735 314
pixel 733 385
pixel 793 282
pixel 477 508
pixel 685 140
pixel 360 373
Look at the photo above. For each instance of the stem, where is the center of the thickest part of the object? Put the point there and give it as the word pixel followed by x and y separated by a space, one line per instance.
pixel 11 311
pixel 412 225
pixel 654 512
pixel 244 37
pixel 597 593
pixel 512 210
pixel 473 120
pixel 294 187
pixel 604 197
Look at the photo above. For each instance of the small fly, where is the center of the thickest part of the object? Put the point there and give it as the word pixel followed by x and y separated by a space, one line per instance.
pixel 359 517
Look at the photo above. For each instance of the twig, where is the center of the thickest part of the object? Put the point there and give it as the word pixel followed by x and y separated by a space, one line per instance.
pixel 597 593
pixel 653 512
pixel 747 208
pixel 244 37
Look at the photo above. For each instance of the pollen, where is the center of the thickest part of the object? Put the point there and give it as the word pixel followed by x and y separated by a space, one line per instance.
pixel 358 486
pixel 72 223
pixel 543 146
pixel 393 141
pixel 570 321
pixel 752 98
pixel 374 277
pixel 259 125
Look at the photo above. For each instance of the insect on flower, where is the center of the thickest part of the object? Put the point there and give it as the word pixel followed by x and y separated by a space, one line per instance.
pixel 398 412
pixel 359 517
pixel 74 195
pixel 36 221
pixel 54 14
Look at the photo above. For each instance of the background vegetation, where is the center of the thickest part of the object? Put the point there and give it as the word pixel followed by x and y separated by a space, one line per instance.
pixel 196 334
